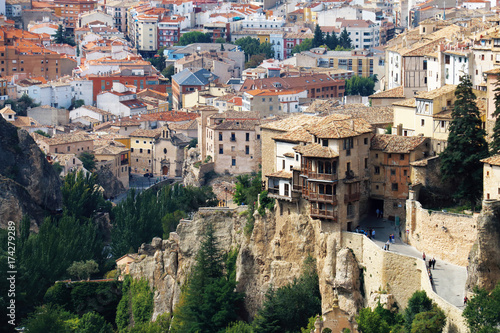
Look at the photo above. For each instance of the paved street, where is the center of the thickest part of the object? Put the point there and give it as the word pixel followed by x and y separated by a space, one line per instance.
pixel 137 182
pixel 449 279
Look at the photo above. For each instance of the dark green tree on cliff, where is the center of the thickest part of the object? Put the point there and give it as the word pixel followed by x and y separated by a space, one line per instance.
pixel 483 311
pixel 466 146
pixel 208 301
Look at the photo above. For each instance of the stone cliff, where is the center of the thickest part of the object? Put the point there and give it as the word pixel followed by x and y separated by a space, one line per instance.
pixel 112 186
pixel 484 259
pixel 28 183
pixel 272 256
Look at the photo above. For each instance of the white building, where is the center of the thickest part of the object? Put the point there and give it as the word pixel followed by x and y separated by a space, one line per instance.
pixel 121 101
pixel 92 112
pixel 59 94
pixel 364 34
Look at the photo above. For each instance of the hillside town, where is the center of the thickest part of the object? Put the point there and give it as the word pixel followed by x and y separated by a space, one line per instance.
pixel 368 125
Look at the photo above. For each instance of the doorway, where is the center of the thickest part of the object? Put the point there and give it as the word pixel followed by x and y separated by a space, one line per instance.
pixel 164 170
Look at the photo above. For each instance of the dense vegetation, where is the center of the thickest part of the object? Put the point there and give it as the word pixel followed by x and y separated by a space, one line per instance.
pixel 332 42
pixel 483 311
pixel 194 37
pixel 154 213
pixel 358 85
pixel 255 51
pixel 461 160
pixel 21 105
pixel 420 316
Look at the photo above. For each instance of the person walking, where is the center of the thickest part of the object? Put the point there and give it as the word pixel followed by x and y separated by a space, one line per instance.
pixel 433 263
pixel 373 234
pixel 423 256
pixel 377 212
pixel 465 300
pixel 387 244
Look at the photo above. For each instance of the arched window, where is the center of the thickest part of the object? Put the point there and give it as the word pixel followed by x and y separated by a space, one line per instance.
pixel 164 150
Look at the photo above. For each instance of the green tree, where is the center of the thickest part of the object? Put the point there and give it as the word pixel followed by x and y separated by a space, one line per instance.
pixel 88 160
pixel 57 167
pixel 194 37
pixel 48 318
pixel 461 159
pixel 331 41
pixel 266 49
pixel 252 47
pixel 81 195
pixel 92 322
pixel 372 322
pixel 345 40
pixel 59 36
pixel 78 103
pixel 418 302
pixel 220 40
pixel 168 72
pixel 136 306
pixel 495 142
pixel 209 301
pixel 306 45
pixel 429 322
pixel 158 61
pixel 255 60
pixel 21 105
pixel 289 308
pixel 83 269
pixel 357 85
pixel 42 133
pixel 318 39
pixel 483 311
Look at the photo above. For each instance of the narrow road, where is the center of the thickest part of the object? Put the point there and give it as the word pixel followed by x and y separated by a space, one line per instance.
pixel 139 183
pixel 449 279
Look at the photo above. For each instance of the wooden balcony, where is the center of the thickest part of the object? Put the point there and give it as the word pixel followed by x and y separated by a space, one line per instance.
pixel 274 193
pixel 352 197
pixel 323 214
pixel 323 176
pixel 330 198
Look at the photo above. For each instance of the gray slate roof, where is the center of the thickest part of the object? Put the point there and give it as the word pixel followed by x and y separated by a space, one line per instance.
pixel 201 77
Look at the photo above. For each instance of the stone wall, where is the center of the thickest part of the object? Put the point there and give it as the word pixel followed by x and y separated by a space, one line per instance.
pixel 399 275
pixel 446 236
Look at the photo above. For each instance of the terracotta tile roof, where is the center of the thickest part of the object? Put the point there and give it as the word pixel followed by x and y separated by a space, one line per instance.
pixel 315 150
pixel 68 138
pixel 375 115
pixel 193 124
pixel 396 143
pixel 437 92
pixel 391 93
pixel 97 110
pixel 7 110
pixel 280 174
pixel 297 135
pixel 337 126
pixel 410 102
pixel 243 125
pixel 290 123
pixel 25 122
pixel 110 150
pixel 493 160
pixel 143 133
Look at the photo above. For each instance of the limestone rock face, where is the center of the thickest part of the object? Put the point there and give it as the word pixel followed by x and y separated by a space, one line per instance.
pixel 273 255
pixel 484 259
pixel 190 174
pixel 111 185
pixel 37 186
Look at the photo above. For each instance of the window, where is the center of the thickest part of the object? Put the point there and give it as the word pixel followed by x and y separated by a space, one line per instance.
pixel 394 186
pixel 422 121
pixel 393 172
pixel 221 149
pixel 402 157
pixel 283 164
pixel 405 172
pixel 220 136
pixel 164 150
pixel 140 150
pixel 247 150
pixel 233 148
pixel 350 210
pixel 233 136
pixel 258 136
pixel 365 141
pixel 233 161
pixel 56 151
pixel 136 141
pixel 325 142
pixel 377 170
pixel 69 148
pixel 247 136
pixel 366 163
pixel 149 151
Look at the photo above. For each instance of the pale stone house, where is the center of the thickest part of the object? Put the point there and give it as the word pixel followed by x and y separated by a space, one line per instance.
pixel 114 155
pixel 491 177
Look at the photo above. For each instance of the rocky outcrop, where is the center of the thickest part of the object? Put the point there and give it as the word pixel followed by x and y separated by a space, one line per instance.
pixel 190 174
pixel 108 181
pixel 272 256
pixel 34 186
pixel 484 259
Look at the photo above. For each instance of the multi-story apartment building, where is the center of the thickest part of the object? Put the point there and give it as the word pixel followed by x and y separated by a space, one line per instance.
pixel 390 158
pixel 233 141
pixel 364 34
pixel 317 85
pixel 323 160
pixel 188 81
pixel 272 102
pixel 360 62
pixel 118 10
pixel 70 9
pixel 121 101
pixel 15 8
pixel 447 66
pixel 169 30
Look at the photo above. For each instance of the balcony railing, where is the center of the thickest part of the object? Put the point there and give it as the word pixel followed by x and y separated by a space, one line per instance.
pixel 323 197
pixel 352 197
pixel 322 176
pixel 323 214
pixel 273 190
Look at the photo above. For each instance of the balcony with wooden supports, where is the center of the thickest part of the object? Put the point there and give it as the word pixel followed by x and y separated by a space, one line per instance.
pixel 323 214
pixel 352 197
